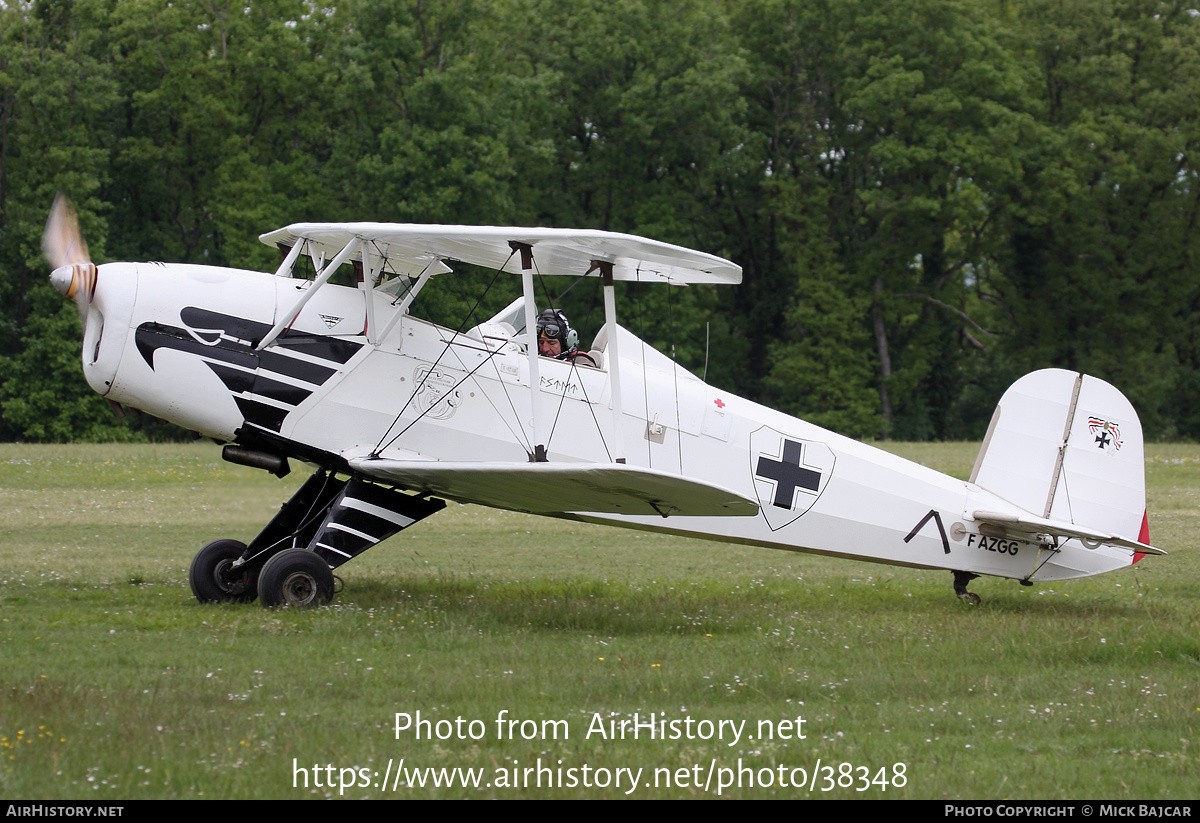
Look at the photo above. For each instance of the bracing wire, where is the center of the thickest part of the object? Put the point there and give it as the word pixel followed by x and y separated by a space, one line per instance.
pixel 307 520
pixel 418 418
pixel 591 408
pixel 574 368
pixel 380 446
pixel 385 441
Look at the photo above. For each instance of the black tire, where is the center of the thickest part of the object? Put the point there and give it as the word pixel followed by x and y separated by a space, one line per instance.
pixel 209 574
pixel 295 577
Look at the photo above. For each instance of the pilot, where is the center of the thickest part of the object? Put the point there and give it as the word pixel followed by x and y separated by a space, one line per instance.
pixel 558 340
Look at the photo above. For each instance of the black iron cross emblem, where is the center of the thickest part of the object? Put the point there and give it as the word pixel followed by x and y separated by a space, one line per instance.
pixel 788 474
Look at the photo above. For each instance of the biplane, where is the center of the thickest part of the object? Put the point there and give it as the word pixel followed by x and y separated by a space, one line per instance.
pixel 397 414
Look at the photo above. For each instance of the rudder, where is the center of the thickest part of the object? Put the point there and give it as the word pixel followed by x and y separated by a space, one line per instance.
pixel 1068 447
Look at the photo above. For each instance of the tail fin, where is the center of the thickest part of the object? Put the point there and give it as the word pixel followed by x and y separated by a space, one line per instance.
pixel 1068 447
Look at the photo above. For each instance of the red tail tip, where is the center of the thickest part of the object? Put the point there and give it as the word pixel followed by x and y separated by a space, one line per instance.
pixel 1143 536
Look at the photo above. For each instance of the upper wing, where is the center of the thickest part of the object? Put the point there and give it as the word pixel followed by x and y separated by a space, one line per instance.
pixel 1028 526
pixel 407 248
pixel 550 488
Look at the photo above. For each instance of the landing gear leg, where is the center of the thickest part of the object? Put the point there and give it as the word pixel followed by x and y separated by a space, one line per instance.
pixel 961 579
pixel 327 522
pixel 290 563
pixel 228 570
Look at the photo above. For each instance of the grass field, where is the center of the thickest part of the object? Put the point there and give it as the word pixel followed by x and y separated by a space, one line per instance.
pixel 116 684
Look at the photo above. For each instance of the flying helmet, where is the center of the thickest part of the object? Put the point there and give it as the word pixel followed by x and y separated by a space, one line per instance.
pixel 553 324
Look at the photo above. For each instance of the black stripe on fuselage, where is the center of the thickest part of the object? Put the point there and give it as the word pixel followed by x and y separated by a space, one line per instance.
pixel 237 380
pixel 261 414
pixel 150 337
pixel 334 349
pixel 229 340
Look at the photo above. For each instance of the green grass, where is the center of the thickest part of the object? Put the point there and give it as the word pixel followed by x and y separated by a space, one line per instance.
pixel 116 684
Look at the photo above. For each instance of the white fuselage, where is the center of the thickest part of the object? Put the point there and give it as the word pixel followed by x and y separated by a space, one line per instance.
pixel 178 342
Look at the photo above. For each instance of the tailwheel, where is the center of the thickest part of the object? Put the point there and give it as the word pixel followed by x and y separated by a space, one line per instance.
pixel 961 579
pixel 215 579
pixel 295 577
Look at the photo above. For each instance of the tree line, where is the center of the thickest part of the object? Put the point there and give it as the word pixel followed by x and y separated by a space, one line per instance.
pixel 928 197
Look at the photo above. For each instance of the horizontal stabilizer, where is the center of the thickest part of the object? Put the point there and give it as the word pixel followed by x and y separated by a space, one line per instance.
pixel 552 488
pixel 1028 527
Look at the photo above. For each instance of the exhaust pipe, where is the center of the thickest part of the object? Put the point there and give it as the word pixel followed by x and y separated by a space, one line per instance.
pixel 274 463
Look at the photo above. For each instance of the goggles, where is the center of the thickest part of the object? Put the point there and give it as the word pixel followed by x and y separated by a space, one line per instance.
pixel 551 330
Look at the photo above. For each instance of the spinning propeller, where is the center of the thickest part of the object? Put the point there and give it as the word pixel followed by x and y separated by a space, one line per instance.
pixel 74 274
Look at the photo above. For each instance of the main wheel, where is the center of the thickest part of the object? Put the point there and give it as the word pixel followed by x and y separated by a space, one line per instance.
pixel 213 579
pixel 295 577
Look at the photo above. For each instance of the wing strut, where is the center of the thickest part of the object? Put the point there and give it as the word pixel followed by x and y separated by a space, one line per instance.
pixel 614 357
pixel 535 375
pixel 321 279
pixel 285 268
pixel 434 267
pixel 367 286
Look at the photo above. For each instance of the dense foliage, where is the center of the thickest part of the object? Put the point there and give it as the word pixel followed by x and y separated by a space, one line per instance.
pixel 928 197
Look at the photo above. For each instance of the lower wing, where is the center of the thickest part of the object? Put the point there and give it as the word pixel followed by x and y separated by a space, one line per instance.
pixel 549 488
